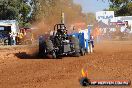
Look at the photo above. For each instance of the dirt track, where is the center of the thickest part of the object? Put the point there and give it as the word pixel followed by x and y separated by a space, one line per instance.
pixel 111 60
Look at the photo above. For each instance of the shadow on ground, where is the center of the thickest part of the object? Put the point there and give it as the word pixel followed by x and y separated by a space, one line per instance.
pixel 24 55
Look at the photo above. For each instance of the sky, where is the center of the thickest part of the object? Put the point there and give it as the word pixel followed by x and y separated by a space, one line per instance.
pixel 92 5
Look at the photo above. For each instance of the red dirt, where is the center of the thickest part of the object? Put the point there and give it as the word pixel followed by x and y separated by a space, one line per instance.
pixel 111 60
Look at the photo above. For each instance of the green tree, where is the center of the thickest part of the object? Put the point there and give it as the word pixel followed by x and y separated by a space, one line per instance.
pixel 14 10
pixel 121 7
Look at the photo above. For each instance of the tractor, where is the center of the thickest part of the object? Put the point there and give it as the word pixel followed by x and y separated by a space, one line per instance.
pixel 60 43
pixel 63 44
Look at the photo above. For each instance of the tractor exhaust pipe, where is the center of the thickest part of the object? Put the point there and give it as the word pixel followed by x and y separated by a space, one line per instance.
pixel 62 18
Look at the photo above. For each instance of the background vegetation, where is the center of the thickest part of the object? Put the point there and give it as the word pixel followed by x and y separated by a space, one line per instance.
pixel 49 11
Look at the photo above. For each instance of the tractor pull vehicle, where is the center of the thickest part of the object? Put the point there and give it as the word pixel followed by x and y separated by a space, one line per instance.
pixel 59 44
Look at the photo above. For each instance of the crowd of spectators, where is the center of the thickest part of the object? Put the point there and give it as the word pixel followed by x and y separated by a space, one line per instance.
pixel 15 38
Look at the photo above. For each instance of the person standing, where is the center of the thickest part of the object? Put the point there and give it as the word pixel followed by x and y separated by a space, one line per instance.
pixel 10 39
pixel 14 38
pixel 17 39
pixel 92 40
pixel 20 37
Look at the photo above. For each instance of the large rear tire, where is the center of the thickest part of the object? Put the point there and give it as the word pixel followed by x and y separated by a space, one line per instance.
pixel 50 48
pixel 49 45
pixel 42 47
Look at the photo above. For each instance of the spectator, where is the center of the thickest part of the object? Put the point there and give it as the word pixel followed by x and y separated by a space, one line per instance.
pixel 17 39
pixel 14 38
pixel 9 38
pixel 92 40
pixel 20 36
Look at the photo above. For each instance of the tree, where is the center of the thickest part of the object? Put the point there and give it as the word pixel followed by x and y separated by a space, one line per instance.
pixel 41 8
pixel 14 10
pixel 121 7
